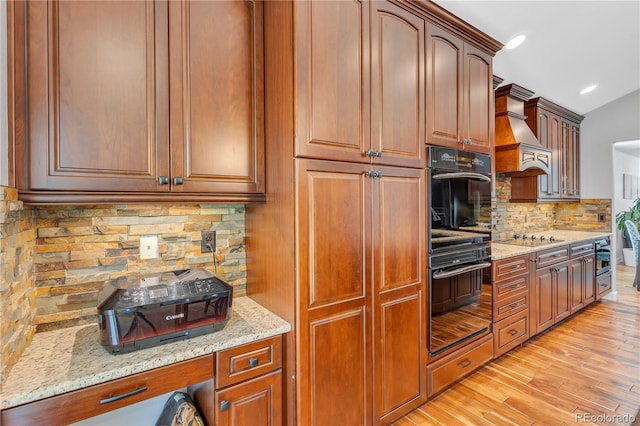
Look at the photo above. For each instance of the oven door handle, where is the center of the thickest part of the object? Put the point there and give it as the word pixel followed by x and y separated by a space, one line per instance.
pixel 456 175
pixel 457 271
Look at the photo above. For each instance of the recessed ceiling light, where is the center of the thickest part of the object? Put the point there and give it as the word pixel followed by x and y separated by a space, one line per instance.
pixel 515 42
pixel 588 89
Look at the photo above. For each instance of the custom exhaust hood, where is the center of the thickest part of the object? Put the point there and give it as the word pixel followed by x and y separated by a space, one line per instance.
pixel 518 151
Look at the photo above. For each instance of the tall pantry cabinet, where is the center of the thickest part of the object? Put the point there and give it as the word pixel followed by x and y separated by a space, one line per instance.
pixel 339 248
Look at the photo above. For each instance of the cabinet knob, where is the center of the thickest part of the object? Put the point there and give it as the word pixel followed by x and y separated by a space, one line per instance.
pixel 163 180
pixel 253 362
pixel 177 181
pixel 378 154
pixel 369 153
pixel 224 405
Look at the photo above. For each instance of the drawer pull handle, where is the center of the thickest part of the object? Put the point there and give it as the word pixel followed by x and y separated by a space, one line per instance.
pixel 123 396
pixel 465 363
pixel 513 306
pixel 513 332
pixel 163 180
pixel 253 362
pixel 224 405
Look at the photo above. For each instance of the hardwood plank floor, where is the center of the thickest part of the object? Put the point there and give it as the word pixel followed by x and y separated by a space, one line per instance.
pixel 584 370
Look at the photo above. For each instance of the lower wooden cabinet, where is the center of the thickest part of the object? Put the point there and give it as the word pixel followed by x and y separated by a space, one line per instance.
pixel 510 332
pixel 248 386
pixel 256 402
pixel 451 368
pixel 511 303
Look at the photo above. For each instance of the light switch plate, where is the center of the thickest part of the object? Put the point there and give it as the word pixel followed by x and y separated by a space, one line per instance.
pixel 149 247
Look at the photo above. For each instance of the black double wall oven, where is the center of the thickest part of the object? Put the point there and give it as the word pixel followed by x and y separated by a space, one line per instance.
pixel 459 204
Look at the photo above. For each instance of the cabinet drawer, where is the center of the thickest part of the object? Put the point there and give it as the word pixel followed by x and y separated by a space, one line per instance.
pixel 245 362
pixel 510 267
pixel 505 289
pixel 92 401
pixel 551 256
pixel 510 306
pixel 603 285
pixel 448 370
pixel 582 249
pixel 510 332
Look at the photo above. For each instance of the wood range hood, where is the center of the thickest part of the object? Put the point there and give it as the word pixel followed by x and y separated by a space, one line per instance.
pixel 518 151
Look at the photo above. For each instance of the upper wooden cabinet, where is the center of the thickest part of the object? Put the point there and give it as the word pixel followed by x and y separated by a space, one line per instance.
pixel 360 82
pixel 132 98
pixel 460 96
pixel 559 130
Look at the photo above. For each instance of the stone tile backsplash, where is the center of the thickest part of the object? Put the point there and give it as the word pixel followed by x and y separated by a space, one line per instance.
pixel 509 217
pixel 17 284
pixel 56 259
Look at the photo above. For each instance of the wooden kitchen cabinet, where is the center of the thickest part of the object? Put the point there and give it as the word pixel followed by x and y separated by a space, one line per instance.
pixel 361 293
pixel 247 388
pixel 344 117
pixel 459 92
pixel 552 289
pixel 564 283
pixel 345 79
pixel 582 268
pixel 141 101
pixel 511 303
pixel 453 367
pixel 557 129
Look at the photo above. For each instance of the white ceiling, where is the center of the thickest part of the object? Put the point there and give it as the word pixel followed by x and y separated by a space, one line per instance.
pixel 570 45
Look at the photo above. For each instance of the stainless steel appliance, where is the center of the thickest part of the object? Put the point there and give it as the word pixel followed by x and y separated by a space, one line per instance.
pixel 533 240
pixel 459 247
pixel 603 256
pixel 144 311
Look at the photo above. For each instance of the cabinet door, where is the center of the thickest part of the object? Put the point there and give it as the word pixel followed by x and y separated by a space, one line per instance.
pixel 571 160
pixel 333 80
pixel 217 107
pixel 399 267
pixel 257 402
pixel 554 178
pixel 544 299
pixel 444 87
pixel 334 355
pixel 478 100
pixel 576 283
pixel 589 283
pixel 546 139
pixel 562 296
pixel 397 85
pixel 97 95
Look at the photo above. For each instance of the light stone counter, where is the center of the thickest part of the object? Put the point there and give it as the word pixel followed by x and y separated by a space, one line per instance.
pixel 504 251
pixel 72 358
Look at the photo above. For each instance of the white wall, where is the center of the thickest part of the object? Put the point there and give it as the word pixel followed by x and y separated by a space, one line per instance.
pixel 614 122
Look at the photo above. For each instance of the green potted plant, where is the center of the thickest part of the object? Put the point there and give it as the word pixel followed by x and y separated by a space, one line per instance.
pixel 632 214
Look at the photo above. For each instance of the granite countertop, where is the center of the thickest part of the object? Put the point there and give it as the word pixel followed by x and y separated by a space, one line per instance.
pixel 72 358
pixel 504 251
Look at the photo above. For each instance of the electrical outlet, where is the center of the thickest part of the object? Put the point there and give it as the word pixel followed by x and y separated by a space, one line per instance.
pixel 602 217
pixel 208 243
pixel 149 247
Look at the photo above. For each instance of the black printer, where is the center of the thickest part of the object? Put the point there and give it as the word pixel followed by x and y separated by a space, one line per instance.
pixel 149 310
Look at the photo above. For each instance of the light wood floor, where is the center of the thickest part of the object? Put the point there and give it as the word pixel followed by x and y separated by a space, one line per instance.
pixel 585 370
